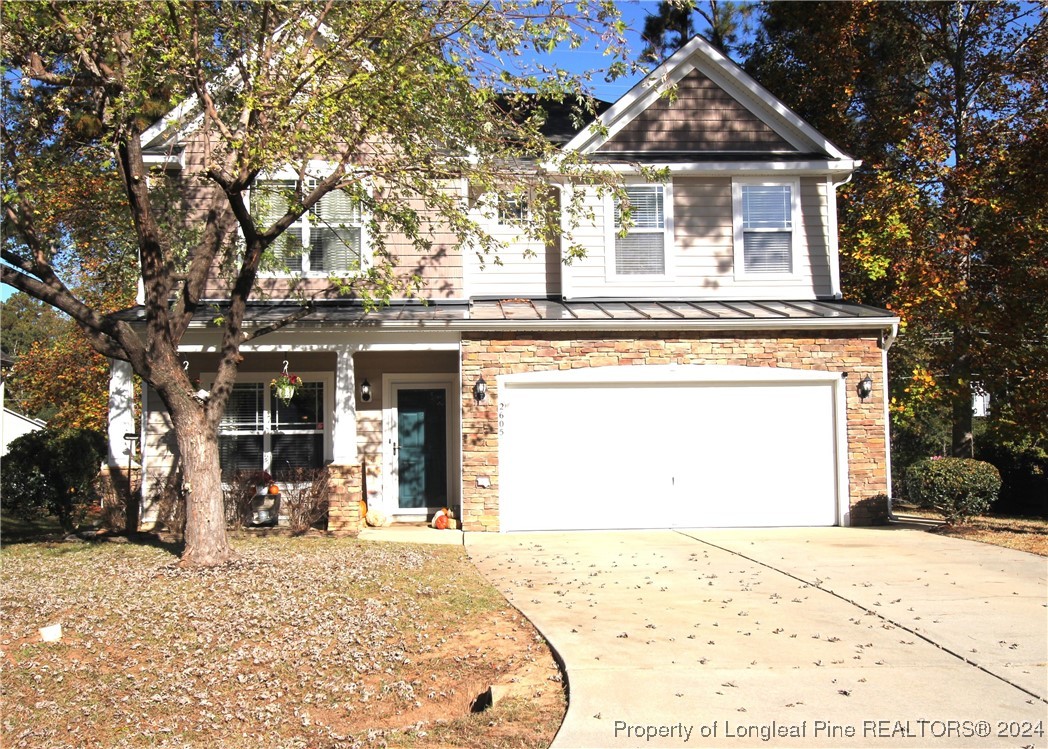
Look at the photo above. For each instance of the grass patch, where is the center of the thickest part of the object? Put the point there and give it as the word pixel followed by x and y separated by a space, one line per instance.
pixel 1022 534
pixel 316 642
pixel 17 530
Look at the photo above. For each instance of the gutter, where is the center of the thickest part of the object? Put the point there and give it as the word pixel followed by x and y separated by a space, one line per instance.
pixel 337 327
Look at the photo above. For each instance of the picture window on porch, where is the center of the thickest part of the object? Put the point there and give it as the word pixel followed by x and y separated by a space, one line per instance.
pixel 642 251
pixel 259 432
pixel 328 238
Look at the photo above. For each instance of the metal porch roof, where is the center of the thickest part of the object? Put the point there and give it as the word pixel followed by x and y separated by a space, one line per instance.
pixel 547 314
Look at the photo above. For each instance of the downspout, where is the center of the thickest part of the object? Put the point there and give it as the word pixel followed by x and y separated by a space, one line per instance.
pixel 888 337
pixel 833 239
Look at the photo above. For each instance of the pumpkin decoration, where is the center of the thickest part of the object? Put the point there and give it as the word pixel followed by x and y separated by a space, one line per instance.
pixel 274 489
pixel 442 519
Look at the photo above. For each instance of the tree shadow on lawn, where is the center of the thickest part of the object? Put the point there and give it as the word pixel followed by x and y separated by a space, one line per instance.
pixel 47 531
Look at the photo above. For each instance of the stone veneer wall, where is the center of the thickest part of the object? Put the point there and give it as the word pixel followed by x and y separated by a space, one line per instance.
pixel 856 354
pixel 344 498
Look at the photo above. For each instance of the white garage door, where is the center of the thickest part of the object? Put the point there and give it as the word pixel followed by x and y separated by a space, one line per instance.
pixel 663 447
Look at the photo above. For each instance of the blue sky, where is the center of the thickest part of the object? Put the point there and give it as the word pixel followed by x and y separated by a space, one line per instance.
pixel 589 59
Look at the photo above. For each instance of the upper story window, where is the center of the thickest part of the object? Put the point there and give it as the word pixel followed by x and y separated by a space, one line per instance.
pixel 765 221
pixel 328 238
pixel 514 210
pixel 642 251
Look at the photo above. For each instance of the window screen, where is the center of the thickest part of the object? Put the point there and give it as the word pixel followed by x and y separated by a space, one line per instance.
pixel 259 432
pixel 767 228
pixel 513 210
pixel 335 236
pixel 642 251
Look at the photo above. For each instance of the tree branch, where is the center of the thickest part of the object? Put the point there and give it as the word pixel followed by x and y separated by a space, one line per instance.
pixel 307 309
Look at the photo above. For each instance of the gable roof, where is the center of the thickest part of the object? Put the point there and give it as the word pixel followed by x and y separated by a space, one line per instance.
pixel 719 112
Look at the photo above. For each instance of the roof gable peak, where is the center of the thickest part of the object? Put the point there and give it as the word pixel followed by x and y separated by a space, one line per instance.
pixel 698 55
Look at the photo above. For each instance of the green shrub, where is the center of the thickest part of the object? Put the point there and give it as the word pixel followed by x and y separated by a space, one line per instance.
pixel 1024 475
pixel 52 472
pixel 958 488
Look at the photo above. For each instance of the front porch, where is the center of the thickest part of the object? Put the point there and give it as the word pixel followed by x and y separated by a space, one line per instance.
pixel 381 413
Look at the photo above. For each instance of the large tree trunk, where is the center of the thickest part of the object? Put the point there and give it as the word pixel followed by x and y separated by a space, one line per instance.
pixel 206 542
pixel 961 416
pixel 963 442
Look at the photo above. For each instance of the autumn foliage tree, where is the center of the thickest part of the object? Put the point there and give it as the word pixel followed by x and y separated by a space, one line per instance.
pixel 401 95
pixel 945 224
pixel 57 375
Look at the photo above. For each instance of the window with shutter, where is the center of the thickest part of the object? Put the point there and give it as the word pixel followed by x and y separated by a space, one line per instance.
pixel 642 251
pixel 326 239
pixel 764 215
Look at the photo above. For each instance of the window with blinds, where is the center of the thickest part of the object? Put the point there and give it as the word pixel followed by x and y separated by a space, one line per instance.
pixel 642 251
pixel 259 432
pixel 328 238
pixel 767 228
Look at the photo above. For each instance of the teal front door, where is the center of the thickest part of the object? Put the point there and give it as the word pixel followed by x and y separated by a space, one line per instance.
pixel 422 451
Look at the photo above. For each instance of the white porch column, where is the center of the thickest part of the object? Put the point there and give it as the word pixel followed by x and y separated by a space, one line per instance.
pixel 121 412
pixel 344 426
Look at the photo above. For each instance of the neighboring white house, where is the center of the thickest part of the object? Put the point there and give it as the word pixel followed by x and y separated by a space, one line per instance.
pixel 14 425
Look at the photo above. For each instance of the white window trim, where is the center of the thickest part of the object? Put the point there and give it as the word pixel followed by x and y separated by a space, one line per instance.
pixel 737 231
pixel 315 170
pixel 669 253
pixel 391 381
pixel 327 379
pixel 526 197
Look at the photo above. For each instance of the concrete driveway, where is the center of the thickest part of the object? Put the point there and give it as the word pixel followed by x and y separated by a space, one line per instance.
pixel 826 637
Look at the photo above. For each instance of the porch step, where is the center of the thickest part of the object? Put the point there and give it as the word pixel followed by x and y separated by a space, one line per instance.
pixel 412 533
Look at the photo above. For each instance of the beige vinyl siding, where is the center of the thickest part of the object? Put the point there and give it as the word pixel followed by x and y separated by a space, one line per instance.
pixel 521 266
pixel 440 268
pixel 700 116
pixel 703 233
pixel 703 261
pixel 160 454
pixel 815 197
pixel 584 275
pixel 517 273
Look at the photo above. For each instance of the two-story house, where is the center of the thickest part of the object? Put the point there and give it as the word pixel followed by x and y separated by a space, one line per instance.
pixel 702 370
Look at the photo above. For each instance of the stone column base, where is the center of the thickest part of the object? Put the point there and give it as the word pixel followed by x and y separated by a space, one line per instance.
pixel 344 499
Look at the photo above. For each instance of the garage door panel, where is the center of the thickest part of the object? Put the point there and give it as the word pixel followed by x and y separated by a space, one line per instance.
pixel 657 454
pixel 566 470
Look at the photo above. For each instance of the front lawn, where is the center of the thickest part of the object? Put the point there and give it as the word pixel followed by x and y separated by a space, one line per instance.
pixel 303 642
pixel 1024 534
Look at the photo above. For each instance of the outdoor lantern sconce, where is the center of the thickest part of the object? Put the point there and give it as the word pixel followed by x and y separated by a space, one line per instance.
pixel 480 390
pixel 365 391
pixel 864 388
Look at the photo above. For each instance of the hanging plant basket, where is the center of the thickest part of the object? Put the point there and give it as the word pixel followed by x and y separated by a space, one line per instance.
pixel 285 391
pixel 285 385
